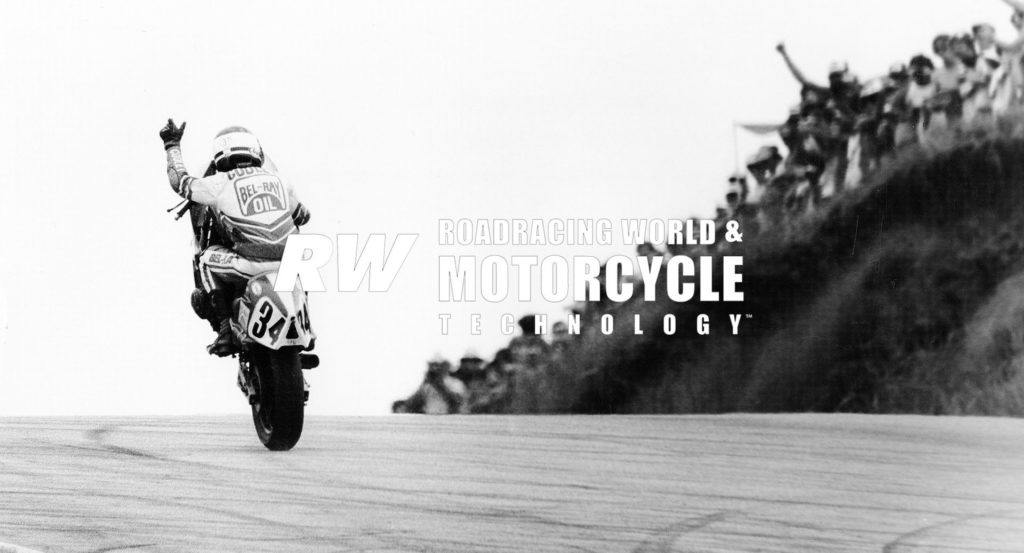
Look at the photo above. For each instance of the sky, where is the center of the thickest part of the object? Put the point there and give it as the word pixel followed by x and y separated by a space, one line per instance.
pixel 387 116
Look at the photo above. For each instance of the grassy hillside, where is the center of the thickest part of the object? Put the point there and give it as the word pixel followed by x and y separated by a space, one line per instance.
pixel 904 295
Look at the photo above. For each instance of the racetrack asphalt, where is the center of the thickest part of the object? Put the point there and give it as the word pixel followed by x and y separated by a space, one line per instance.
pixel 771 483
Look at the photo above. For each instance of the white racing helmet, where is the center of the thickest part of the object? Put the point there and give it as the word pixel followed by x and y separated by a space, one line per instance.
pixel 236 146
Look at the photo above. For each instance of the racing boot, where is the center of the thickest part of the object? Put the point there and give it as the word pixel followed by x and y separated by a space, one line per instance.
pixel 201 304
pixel 224 344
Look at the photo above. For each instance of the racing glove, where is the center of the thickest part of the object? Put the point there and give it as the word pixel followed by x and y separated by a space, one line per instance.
pixel 300 216
pixel 171 135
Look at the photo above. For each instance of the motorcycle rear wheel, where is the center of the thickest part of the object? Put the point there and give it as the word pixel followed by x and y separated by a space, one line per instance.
pixel 279 409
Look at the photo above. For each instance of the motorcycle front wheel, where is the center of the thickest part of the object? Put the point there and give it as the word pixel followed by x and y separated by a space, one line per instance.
pixel 280 402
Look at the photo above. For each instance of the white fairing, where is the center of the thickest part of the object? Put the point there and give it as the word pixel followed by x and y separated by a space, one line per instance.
pixel 276 320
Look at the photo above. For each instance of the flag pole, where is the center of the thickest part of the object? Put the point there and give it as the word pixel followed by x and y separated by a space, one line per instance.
pixel 735 147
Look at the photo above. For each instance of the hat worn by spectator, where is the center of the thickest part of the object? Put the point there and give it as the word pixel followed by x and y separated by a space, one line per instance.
pixel 764 155
pixel 982 27
pixel 898 75
pixel 838 67
pixel 528 324
pixel 873 87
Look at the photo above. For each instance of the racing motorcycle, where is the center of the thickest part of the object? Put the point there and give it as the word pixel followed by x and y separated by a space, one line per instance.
pixel 273 335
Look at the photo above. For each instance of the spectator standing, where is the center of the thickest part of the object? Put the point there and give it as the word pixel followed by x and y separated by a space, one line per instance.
pixel 439 394
pixel 982 57
pixel 530 352
pixel 773 206
pixel 896 85
pixel 950 74
pixel 561 341
pixel 498 389
pixel 471 367
pixel 839 125
pixel 789 132
pixel 912 105
pixel 811 155
pixel 899 77
pixel 764 166
pixel 842 85
pixel 472 374
pixel 1007 80
pixel 945 107
pixel 863 151
pixel 737 209
pixel 529 349
pixel 986 50
pixel 818 142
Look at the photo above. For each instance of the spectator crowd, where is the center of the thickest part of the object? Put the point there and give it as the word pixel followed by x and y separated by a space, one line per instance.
pixel 842 132
pixel 518 380
pixel 836 136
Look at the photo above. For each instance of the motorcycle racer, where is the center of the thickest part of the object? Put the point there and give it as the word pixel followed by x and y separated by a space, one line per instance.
pixel 256 208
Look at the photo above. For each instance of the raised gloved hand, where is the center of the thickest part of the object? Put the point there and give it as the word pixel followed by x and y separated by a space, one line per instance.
pixel 171 135
pixel 301 215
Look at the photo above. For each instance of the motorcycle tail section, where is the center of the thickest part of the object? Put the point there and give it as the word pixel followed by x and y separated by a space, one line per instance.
pixel 272 319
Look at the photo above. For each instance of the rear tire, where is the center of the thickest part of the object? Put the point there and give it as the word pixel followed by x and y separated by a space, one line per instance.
pixel 279 410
